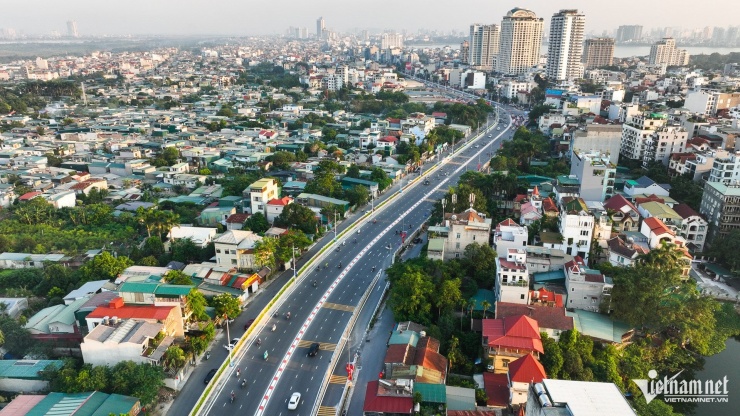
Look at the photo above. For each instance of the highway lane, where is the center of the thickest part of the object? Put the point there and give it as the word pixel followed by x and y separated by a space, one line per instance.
pixel 330 320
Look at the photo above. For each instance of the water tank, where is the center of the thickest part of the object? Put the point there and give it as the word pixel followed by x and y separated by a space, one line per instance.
pixel 539 388
pixel 544 401
pixel 423 334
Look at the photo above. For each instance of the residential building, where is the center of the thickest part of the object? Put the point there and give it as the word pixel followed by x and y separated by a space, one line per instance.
pixel 512 276
pixel 624 249
pixel 483 46
pixel 720 204
pixel 726 170
pixel 661 211
pixel 643 186
pixel 275 207
pixel 258 193
pixel 200 236
pixel 465 52
pixel 587 288
pixel 693 228
pixel 320 28
pixel 635 133
pixel 595 173
pixel 576 228
pixel 707 102
pixel 391 41
pixel 464 229
pixel 576 398
pixel 28 260
pixel 235 248
pixel 521 38
pixel 523 372
pixel 546 308
pixel 510 338
pixel 116 311
pixel 71 404
pixel 664 52
pixel 127 340
pixel 662 143
pixel 603 138
pixel 566 45
pixel 623 213
pixel 508 235
pixel 598 52
pixel 629 33
pixel 542 259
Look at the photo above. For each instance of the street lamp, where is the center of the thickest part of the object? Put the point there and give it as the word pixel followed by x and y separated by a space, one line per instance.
pixel 335 225
pixel 228 340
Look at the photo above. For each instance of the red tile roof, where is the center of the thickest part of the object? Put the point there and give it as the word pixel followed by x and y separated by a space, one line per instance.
pixel 506 223
pixel 385 404
pixel 685 211
pixel 431 360
pixel 617 202
pixel 656 226
pixel 497 389
pixel 237 218
pixel 544 295
pixel 281 201
pixel 388 139
pixel 526 370
pixel 550 317
pixel 649 198
pixel 519 332
pixel 29 196
pixel 548 205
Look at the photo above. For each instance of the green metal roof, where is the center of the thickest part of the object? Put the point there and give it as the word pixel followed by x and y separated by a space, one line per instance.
pixel 26 369
pixel 436 244
pixel 59 313
pixel 549 276
pixel 598 326
pixel 460 398
pixel 404 338
pixel 138 287
pixel 116 404
pixel 173 290
pixel 431 393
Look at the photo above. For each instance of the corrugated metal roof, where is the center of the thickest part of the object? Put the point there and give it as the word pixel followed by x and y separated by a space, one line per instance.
pixel 26 369
pixel 431 393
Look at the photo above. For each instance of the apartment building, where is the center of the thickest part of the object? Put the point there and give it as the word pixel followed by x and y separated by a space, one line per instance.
pixel 726 170
pixel 521 39
pixel 235 248
pixel 661 144
pixel 566 45
pixel 708 102
pixel 511 87
pixel 483 46
pixel 693 228
pixel 576 228
pixel 603 138
pixel 598 52
pixel 512 276
pixel 595 173
pixel 664 52
pixel 509 235
pixel 258 194
pixel 464 229
pixel 587 288
pixel 720 204
pixel 635 133
pixel 576 398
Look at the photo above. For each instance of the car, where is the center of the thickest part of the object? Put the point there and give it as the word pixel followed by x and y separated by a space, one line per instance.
pixel 417 240
pixel 232 344
pixel 477 146
pixel 249 323
pixel 295 398
pixel 210 376
pixel 313 349
pixel 490 135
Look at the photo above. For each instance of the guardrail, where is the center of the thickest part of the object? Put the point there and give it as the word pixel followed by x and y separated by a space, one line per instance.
pixel 343 343
pixel 217 382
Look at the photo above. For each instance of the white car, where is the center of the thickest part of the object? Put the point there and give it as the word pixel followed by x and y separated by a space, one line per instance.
pixel 295 398
pixel 232 344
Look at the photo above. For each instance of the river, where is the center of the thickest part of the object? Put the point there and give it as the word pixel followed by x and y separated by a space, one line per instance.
pixel 620 51
pixel 716 367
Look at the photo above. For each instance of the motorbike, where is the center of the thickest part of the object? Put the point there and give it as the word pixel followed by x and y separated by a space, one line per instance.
pixel 243 384
pixel 265 355
pixel 339 266
pixel 273 327
pixel 314 283
pixel 208 355
pixel 233 396
pixel 287 316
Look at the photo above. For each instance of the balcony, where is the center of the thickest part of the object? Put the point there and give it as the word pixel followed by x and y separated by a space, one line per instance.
pixel 518 283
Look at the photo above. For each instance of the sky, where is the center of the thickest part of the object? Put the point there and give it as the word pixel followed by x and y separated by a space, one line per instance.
pixel 250 17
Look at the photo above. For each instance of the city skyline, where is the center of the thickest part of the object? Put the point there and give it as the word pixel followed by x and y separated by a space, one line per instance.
pixel 192 17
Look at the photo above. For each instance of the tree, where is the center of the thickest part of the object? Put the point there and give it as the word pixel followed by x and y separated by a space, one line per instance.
pixel 185 250
pixel 357 195
pixel 298 216
pixel 448 295
pixel 226 305
pixel 265 251
pixel 174 357
pixel 104 266
pixel 176 277
pixel 257 223
pixel 409 297
pixel 353 172
pixel 485 304
pixel 196 303
pixel 170 155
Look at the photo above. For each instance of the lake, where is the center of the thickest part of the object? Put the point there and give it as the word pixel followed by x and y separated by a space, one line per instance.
pixel 716 367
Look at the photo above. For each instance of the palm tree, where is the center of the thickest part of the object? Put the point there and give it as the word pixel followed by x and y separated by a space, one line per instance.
pixel 463 305
pixel 485 304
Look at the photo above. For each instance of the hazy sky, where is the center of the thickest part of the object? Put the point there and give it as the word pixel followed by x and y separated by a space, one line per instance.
pixel 250 17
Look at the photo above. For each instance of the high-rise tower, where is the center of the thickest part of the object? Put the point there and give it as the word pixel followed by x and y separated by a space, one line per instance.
pixel 483 46
pixel 566 45
pixel 521 39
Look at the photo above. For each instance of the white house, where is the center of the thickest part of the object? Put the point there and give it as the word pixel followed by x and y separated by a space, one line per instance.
pixel 512 277
pixel 643 186
pixel 235 248
pixel 586 288
pixel 576 227
pixel 275 207
pixel 129 340
pixel 201 236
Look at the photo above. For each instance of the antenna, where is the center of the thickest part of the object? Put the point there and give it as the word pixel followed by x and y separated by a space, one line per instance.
pixel 472 199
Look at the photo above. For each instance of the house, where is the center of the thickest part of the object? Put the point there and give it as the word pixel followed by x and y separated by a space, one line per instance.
pixel 512 277
pixel 436 248
pixel 644 185
pixel 587 288
pixel 28 260
pixel 200 236
pixel 236 221
pixel 157 294
pixel 170 315
pixel 88 289
pixel 13 307
pixel 600 327
pixel 258 194
pixel 523 372
pixel 505 340
pixel 88 185
pixel 235 248
pixel 576 228
pixel 460 399
pixel 508 234
pixel 61 199
pixel 623 251
pixel 73 404
pixel 661 211
pixel 135 340
pixel 549 208
pixel 464 229
pixel 388 398
pixel 275 207
pixel 576 398
pixel 543 259
pixel 56 323
pixel 214 215
pixel 20 376
pixel 623 213
pixel 551 319
pixel 693 228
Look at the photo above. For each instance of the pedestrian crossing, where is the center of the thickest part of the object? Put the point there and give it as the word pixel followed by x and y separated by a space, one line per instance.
pixel 339 307
pixel 327 411
pixel 335 379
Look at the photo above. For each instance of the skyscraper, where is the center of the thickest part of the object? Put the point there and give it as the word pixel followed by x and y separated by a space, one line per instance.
pixel 566 45
pixel 320 27
pixel 465 52
pixel 483 43
pixel 72 29
pixel 598 52
pixel 629 33
pixel 391 40
pixel 521 38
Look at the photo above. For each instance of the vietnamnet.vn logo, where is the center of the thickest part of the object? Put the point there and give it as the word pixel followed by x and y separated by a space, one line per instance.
pixel 683 391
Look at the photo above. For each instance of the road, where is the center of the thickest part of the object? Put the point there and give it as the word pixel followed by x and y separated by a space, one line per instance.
pixel 319 314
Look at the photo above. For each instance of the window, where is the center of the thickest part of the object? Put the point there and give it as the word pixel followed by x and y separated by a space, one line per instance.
pixel 572 289
pixel 473 237
pixel 457 245
pixel 505 363
pixel 233 261
pixel 458 235
pixel 521 296
pixel 218 251
pixel 457 255
pixel 584 232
